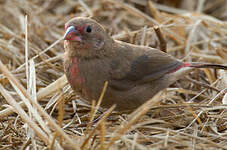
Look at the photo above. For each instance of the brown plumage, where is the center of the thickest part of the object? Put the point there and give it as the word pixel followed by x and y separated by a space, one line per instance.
pixel 134 73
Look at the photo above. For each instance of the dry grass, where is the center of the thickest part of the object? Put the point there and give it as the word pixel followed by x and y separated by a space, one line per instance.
pixel 191 114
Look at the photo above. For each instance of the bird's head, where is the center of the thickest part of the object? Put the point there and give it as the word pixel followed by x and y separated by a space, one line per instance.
pixel 85 36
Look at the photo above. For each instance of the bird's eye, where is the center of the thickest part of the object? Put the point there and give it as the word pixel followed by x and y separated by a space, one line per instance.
pixel 88 29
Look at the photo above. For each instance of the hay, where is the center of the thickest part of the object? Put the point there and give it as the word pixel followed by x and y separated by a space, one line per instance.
pixel 191 114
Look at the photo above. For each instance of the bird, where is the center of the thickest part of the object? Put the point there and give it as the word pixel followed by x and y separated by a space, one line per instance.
pixel 134 73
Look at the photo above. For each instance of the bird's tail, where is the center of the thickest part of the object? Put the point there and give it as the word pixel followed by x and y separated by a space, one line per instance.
pixel 205 65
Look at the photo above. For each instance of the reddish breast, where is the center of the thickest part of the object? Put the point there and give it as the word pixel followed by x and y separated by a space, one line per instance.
pixel 74 77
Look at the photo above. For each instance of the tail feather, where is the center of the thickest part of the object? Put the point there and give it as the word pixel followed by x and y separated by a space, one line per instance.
pixel 204 65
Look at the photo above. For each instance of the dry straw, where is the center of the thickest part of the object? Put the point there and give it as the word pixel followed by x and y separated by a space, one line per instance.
pixel 39 110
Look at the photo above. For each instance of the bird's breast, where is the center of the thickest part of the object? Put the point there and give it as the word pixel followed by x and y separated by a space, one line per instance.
pixel 73 74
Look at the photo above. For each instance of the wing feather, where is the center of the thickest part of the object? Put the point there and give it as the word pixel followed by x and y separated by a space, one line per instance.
pixel 150 65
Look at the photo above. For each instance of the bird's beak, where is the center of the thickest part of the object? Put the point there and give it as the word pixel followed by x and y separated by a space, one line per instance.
pixel 72 34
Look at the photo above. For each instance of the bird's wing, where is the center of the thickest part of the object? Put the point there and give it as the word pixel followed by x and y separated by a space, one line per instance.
pixel 151 65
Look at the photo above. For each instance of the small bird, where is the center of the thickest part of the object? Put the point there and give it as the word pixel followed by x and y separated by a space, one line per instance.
pixel 134 73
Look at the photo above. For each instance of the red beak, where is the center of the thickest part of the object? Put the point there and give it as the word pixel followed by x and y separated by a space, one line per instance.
pixel 72 34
